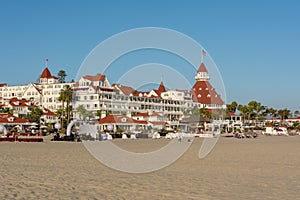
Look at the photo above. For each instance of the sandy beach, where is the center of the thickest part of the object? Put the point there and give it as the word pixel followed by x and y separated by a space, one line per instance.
pixel 262 168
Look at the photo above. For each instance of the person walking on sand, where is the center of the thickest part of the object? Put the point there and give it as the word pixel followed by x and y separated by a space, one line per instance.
pixel 179 136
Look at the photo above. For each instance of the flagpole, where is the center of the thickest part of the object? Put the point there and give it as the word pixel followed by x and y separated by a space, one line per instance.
pixel 203 54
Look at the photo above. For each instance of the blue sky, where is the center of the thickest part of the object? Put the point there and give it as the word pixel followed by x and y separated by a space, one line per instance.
pixel 255 44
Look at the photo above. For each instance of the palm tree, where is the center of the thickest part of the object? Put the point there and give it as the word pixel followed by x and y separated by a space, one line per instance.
pixel 99 113
pixel 204 113
pixel 255 110
pixel 58 113
pixel 81 111
pixel 232 107
pixel 244 111
pixel 296 113
pixel 61 76
pixel 8 111
pixel 273 112
pixel 35 115
pixel 62 98
pixel 65 96
pixel 284 113
pixel 69 110
pixel 69 96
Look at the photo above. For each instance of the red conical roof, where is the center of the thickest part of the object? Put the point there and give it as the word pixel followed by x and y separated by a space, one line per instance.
pixel 204 93
pixel 202 68
pixel 46 74
pixel 161 88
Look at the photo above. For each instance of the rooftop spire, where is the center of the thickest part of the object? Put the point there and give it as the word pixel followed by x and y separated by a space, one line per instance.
pixel 202 73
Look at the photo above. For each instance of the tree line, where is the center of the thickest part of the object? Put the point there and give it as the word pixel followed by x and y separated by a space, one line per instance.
pixel 256 111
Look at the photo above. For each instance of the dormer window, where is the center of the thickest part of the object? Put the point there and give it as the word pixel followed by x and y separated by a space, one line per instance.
pixel 10 119
pixel 124 120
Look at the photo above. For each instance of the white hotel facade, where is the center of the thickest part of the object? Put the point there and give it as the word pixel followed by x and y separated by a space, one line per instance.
pixel 95 93
pixel 43 94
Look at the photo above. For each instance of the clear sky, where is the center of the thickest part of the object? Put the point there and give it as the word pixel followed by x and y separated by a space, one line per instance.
pixel 255 44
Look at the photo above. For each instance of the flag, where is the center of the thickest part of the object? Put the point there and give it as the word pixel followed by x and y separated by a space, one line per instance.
pixel 203 53
pixel 46 59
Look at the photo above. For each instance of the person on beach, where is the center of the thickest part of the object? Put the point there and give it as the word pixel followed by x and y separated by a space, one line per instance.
pixel 179 136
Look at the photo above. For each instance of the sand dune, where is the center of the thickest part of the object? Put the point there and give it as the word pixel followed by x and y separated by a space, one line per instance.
pixel 262 168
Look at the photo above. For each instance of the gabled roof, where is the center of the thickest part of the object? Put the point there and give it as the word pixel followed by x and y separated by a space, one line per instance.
pixel 95 78
pixel 157 123
pixel 35 87
pixel 202 68
pixel 142 115
pixel 46 74
pixel 140 93
pixel 3 84
pixel 4 118
pixel 204 93
pixel 126 90
pixel 15 102
pixel 48 112
pixel 160 89
pixel 152 94
pixel 118 119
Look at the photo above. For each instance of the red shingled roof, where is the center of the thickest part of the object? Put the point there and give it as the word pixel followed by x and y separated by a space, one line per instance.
pixel 160 89
pixel 118 119
pixel 142 114
pixel 204 93
pixel 95 78
pixel 15 102
pixel 159 123
pixel 48 112
pixel 232 114
pixel 46 74
pixel 127 90
pixel 202 68
pixel 4 119
pixel 137 93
